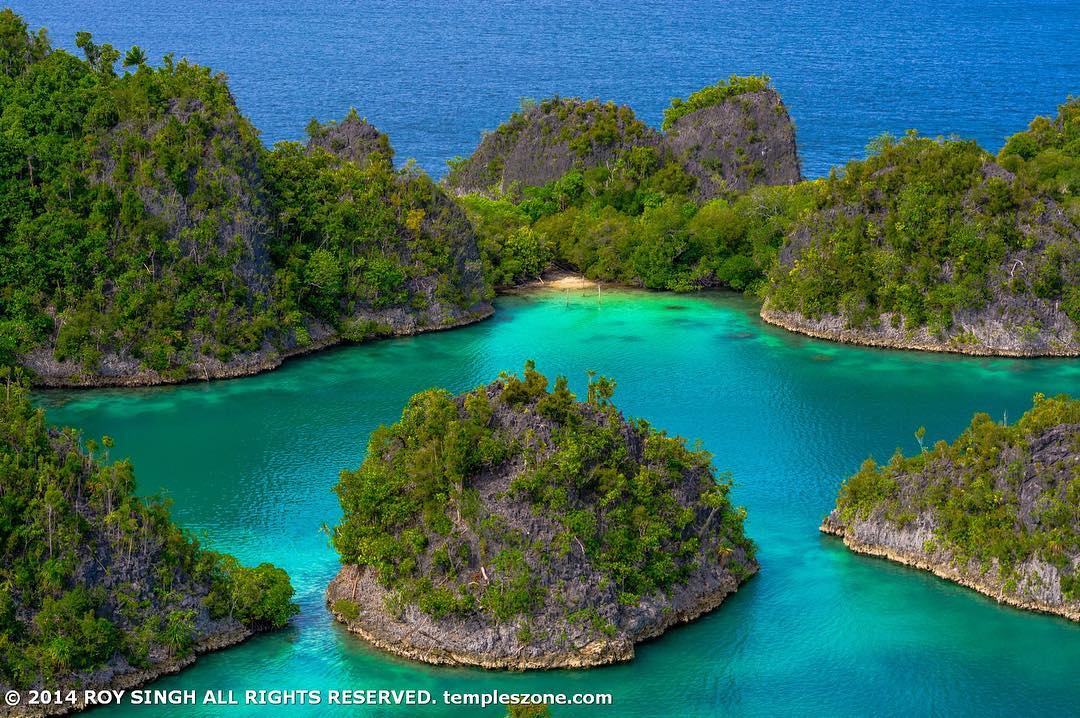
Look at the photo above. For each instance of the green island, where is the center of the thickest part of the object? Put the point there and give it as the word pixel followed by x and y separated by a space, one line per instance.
pixel 150 236
pixel 997 510
pixel 98 588
pixel 514 526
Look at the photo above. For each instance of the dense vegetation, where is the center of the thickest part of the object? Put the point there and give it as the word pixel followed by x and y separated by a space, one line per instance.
pixel 986 497
pixel 511 480
pixel 89 572
pixel 397 240
pixel 923 229
pixel 1046 157
pixel 713 95
pixel 638 226
pixel 146 226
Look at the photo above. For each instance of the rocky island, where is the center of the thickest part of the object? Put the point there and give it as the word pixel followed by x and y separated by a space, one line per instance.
pixel 723 138
pixel 515 527
pixel 150 237
pixel 997 511
pixel 937 245
pixel 98 588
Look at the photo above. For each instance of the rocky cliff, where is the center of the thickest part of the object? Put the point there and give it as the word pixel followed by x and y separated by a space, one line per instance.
pixel 997 511
pixel 545 140
pixel 742 141
pixel 515 527
pixel 727 137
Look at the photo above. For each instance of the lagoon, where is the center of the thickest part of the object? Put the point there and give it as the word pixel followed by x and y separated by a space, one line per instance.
pixel 819 631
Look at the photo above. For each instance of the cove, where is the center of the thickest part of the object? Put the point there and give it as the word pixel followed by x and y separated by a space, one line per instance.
pixel 819 631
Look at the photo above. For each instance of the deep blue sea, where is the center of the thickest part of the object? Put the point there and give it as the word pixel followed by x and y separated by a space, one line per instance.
pixel 435 74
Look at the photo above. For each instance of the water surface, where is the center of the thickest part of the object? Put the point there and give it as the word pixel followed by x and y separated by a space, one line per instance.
pixel 819 631
pixel 434 74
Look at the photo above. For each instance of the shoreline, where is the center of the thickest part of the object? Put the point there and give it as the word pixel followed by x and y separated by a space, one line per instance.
pixel 258 366
pixel 135 678
pixel 596 653
pixel 796 324
pixel 943 571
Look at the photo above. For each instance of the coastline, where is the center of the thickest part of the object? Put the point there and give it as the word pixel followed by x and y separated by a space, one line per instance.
pixel 834 330
pixel 254 364
pixel 386 633
pixel 136 677
pixel 946 571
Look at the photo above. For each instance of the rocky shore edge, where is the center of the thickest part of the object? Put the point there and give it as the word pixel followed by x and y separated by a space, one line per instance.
pixel 834 328
pixel 381 630
pixel 241 366
pixel 135 678
pixel 941 567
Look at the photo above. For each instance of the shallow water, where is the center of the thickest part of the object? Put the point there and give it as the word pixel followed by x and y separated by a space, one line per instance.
pixel 819 631
pixel 434 74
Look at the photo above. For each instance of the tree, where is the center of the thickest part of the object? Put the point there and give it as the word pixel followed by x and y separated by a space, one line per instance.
pixel 135 57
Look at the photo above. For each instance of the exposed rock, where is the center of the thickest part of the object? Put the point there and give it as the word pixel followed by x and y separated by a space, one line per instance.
pixel 743 141
pixel 353 139
pixel 527 570
pixel 1033 494
pixel 543 142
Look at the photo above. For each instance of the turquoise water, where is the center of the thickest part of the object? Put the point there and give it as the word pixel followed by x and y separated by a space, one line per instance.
pixel 434 74
pixel 818 632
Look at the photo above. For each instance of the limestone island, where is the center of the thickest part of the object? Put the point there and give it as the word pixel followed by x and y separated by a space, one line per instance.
pixel 514 527
pixel 98 588
pixel 152 238
pixel 997 511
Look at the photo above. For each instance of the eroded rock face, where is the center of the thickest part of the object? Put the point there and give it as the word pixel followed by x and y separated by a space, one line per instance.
pixel 517 566
pixel 744 141
pixel 542 143
pixel 353 139
pixel 1034 473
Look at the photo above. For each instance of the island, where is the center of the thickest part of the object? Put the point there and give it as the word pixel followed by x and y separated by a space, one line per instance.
pixel 150 237
pixel 998 510
pixel 98 588
pixel 515 527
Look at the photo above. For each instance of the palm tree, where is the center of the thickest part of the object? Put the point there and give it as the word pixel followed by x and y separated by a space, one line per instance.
pixel 135 57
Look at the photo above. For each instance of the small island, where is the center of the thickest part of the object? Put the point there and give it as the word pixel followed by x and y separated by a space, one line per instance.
pixel 98 588
pixel 515 527
pixel 997 511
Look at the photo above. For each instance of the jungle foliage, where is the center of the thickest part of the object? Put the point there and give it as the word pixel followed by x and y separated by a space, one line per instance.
pixel 88 571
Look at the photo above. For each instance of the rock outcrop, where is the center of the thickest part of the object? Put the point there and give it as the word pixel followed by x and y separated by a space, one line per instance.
pixel 745 140
pixel 353 139
pixel 998 511
pixel 545 140
pixel 516 528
